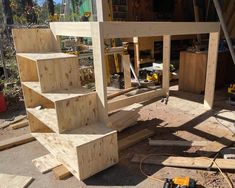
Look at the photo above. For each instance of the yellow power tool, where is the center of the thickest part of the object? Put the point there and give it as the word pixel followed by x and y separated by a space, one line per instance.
pixel 176 182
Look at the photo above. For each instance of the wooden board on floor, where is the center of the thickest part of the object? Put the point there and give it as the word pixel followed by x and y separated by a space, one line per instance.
pixel 187 162
pixel 61 172
pixel 20 124
pixel 9 143
pixel 182 143
pixel 14 181
pixel 134 138
pixel 46 163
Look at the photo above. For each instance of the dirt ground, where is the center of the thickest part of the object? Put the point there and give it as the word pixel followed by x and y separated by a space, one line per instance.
pixel 184 118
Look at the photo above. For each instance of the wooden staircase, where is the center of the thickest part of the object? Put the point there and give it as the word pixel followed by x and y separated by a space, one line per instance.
pixel 62 114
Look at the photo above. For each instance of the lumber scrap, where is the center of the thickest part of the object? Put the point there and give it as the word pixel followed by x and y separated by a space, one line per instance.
pixel 61 173
pixel 178 143
pixel 125 118
pixel 12 142
pixel 14 181
pixel 46 163
pixel 20 124
pixel 185 162
pixel 10 122
pixel 116 94
pixel 135 138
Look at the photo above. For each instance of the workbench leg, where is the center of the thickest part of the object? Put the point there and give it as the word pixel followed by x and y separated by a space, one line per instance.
pixel 211 69
pixel 126 69
pixel 100 71
pixel 166 63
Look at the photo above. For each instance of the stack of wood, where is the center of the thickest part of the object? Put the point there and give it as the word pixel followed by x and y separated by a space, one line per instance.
pixel 125 118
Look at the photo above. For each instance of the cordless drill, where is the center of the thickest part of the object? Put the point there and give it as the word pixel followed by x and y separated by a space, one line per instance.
pixel 185 182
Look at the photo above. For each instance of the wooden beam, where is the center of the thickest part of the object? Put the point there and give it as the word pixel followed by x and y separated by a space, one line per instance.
pixel 20 124
pixel 61 172
pixel 134 138
pixel 46 163
pixel 136 55
pixel 100 71
pixel 14 181
pixel 166 62
pixel 116 94
pixel 120 103
pixel 12 142
pixel 73 29
pixel 182 143
pixel 211 69
pixel 187 162
pixel 103 10
pixel 127 71
pixel 146 29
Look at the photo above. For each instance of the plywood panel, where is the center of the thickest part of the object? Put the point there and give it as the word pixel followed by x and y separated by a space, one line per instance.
pixel 35 40
pixel 14 181
pixel 58 74
pixel 82 112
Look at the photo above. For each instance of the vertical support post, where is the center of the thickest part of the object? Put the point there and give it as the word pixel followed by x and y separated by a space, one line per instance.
pixel 136 55
pixel 211 69
pixel 100 71
pixel 127 73
pixel 102 8
pixel 166 63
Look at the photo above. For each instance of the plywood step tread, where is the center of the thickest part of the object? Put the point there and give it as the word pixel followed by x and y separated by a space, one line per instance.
pixel 45 56
pixel 57 95
pixel 46 116
pixel 77 137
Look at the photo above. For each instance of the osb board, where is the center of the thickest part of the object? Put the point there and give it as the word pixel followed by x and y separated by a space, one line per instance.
pixel 27 69
pixel 84 151
pixel 82 111
pixel 57 95
pixel 14 181
pixel 58 74
pixel 46 163
pixel 35 41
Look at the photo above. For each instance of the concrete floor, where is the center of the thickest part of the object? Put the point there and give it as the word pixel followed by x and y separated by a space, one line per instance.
pixel 181 119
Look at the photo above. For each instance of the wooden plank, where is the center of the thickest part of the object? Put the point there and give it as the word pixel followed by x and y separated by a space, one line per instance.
pixel 116 94
pixel 46 163
pixel 147 29
pixel 12 142
pixel 211 69
pixel 20 124
pixel 14 181
pixel 73 29
pixel 136 55
pixel 178 143
pixel 103 12
pixel 61 173
pixel 100 72
pixel 35 41
pixel 127 71
pixel 166 62
pixel 187 162
pixel 120 103
pixel 125 118
pixel 134 138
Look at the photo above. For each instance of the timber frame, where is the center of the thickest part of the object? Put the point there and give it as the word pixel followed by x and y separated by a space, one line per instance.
pixel 100 31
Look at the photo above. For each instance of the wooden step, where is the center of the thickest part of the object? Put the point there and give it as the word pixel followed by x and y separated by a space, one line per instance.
pixel 84 151
pixel 46 116
pixel 60 111
pixel 53 70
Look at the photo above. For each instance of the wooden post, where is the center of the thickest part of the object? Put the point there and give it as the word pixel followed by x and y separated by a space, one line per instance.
pixel 102 8
pixel 126 69
pixel 136 55
pixel 100 71
pixel 166 62
pixel 211 69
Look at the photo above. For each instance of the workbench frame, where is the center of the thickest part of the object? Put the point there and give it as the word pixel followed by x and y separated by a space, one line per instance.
pixel 100 31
